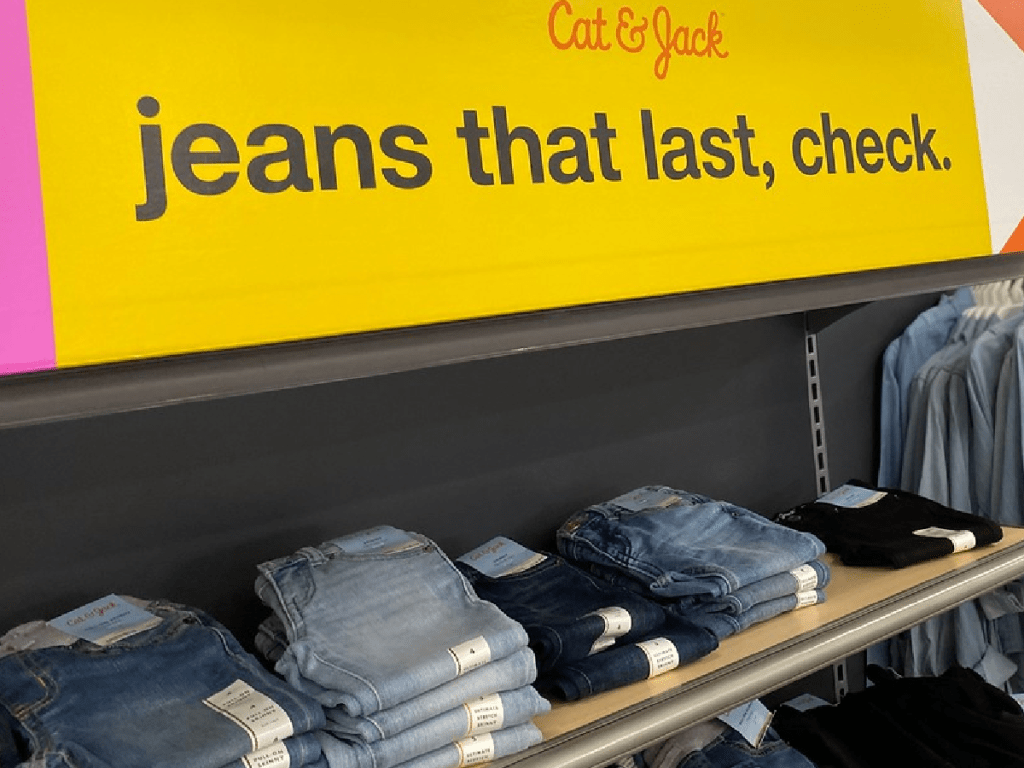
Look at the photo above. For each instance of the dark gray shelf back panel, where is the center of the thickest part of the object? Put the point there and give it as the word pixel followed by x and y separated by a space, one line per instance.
pixel 182 502
pixel 38 398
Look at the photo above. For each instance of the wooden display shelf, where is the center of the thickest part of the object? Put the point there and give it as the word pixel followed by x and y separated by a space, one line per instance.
pixel 864 605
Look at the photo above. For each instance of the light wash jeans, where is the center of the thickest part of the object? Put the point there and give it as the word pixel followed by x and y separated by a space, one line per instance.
pixel 374 628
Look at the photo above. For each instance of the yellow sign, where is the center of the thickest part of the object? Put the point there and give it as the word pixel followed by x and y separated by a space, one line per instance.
pixel 227 174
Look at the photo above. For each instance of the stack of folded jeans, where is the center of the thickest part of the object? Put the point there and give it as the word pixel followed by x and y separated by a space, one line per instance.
pixel 413 668
pixel 181 691
pixel 713 744
pixel 718 565
pixel 588 636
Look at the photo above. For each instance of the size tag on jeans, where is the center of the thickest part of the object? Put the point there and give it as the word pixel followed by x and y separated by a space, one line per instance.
pixel 806 578
pixel 255 712
pixel 962 540
pixel 502 557
pixel 852 496
pixel 617 622
pixel 750 721
pixel 470 655
pixel 382 540
pixel 274 756
pixel 647 498
pixel 803 599
pixel 486 714
pixel 105 621
pixel 475 749
pixel 662 655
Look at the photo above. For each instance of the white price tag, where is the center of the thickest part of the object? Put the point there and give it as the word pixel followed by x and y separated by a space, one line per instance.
pixel 470 655
pixel 485 714
pixel 475 750
pixel 803 599
pixel 662 655
pixel 852 496
pixel 751 721
pixel 962 540
pixel 617 622
pixel 274 756
pixel 502 557
pixel 255 712
pixel 806 578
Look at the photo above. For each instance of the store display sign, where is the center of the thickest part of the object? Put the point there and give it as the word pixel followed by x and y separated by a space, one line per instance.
pixel 191 176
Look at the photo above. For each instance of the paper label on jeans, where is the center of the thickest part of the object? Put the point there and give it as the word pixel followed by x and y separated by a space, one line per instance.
pixel 475 749
pixel 1019 698
pixel 255 712
pixel 105 621
pixel 962 540
pixel 806 701
pixel 852 497
pixel 617 622
pixel 382 540
pixel 806 578
pixel 274 756
pixel 751 721
pixel 470 655
pixel 486 714
pixel 502 557
pixel 662 655
pixel 803 599
pixel 647 498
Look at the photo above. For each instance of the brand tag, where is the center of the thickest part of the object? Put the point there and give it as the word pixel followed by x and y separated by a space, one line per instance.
pixel 852 496
pixel 803 599
pixel 485 714
pixel 962 540
pixel 274 756
pixel 617 622
pixel 105 621
pixel 751 721
pixel 475 749
pixel 255 712
pixel 647 498
pixel 502 557
pixel 470 655
pixel 382 540
pixel 806 578
pixel 806 701
pixel 662 655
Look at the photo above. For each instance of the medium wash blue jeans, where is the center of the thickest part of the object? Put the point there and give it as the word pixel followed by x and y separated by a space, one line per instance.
pixel 487 714
pixel 558 604
pixel 730 750
pixel 682 544
pixel 724 623
pixel 140 701
pixel 348 616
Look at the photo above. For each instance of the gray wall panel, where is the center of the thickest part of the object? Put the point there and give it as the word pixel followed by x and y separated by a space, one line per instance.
pixel 182 502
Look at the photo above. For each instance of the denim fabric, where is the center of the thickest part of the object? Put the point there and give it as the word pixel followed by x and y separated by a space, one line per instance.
pixel 140 701
pixel 347 616
pixel 953 721
pixel 507 741
pixel 922 338
pixel 1008 461
pixel 557 602
pixel 724 625
pixel 680 544
pixel 518 707
pixel 625 664
pixel 745 598
pixel 271 640
pixel 730 750
pixel 506 674
pixel 882 533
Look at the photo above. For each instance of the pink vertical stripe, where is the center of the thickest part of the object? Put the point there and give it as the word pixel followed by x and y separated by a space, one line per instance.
pixel 26 315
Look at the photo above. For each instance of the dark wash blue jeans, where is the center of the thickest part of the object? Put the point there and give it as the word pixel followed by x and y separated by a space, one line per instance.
pixel 556 603
pixel 625 664
pixel 683 544
pixel 139 702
